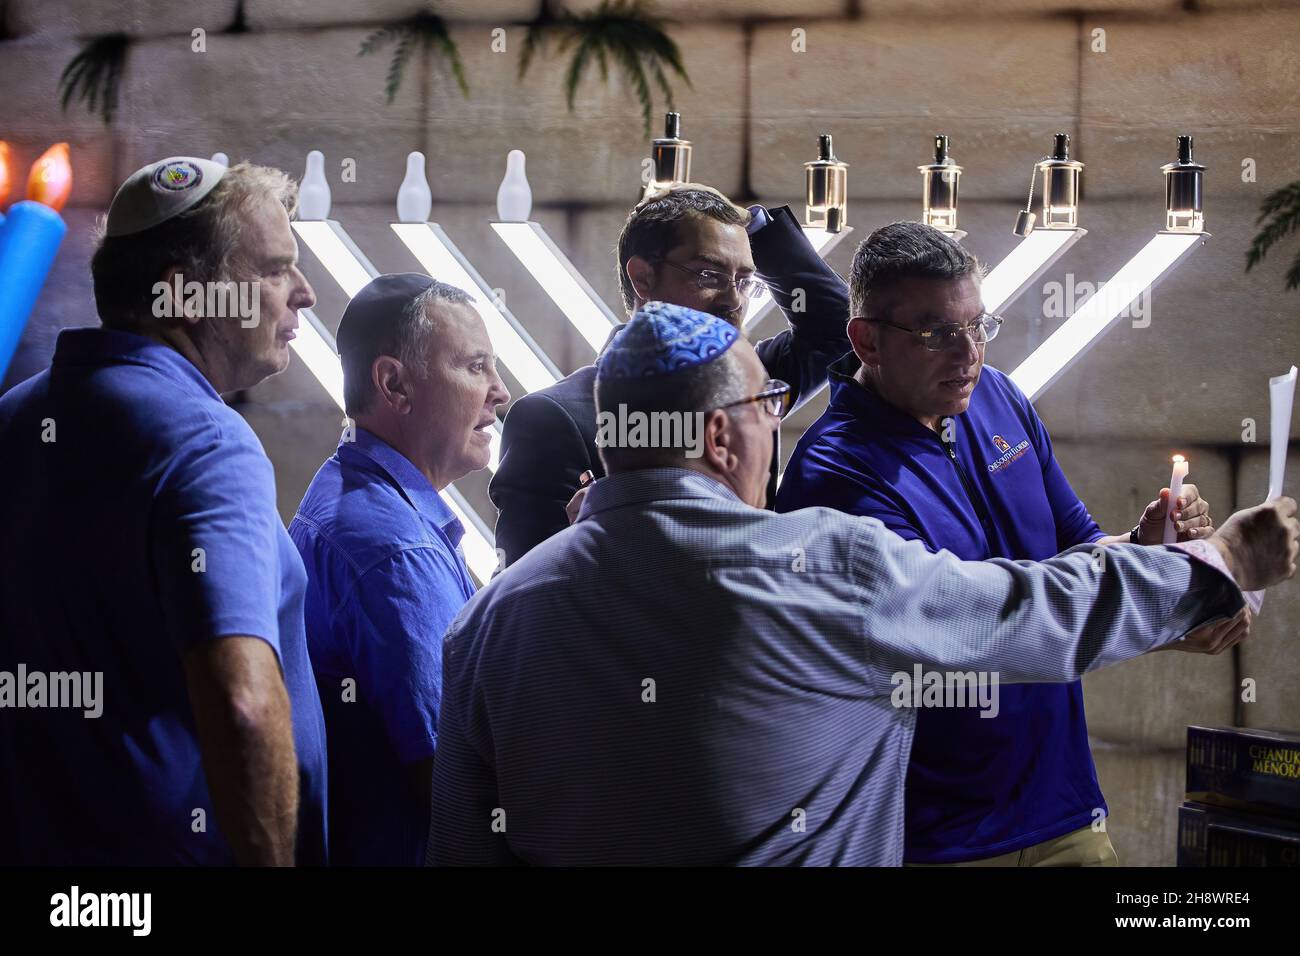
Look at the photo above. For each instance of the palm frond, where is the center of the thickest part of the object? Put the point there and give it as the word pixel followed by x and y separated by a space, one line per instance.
pixel 94 75
pixel 661 81
pixel 427 30
pixel 70 80
pixel 1293 274
pixel 452 55
pixel 628 57
pixel 533 40
pixel 620 30
pixel 397 66
pixel 1283 208
pixel 574 73
pixel 381 38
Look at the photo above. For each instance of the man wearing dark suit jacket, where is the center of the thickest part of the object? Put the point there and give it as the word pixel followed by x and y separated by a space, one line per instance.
pixel 690 246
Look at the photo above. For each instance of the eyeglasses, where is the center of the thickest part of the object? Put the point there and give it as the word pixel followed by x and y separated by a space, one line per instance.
pixel 719 281
pixel 775 396
pixel 936 338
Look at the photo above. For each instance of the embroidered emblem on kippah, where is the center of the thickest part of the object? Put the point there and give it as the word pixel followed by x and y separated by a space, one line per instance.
pixel 177 176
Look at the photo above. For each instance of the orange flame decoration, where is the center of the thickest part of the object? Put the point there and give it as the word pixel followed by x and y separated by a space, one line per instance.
pixel 6 183
pixel 50 181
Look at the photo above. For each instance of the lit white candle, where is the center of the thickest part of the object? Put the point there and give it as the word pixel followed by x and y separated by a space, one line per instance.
pixel 1175 489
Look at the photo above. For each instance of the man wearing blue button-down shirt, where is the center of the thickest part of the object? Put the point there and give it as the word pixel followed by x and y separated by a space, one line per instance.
pixel 382 549
pixel 683 678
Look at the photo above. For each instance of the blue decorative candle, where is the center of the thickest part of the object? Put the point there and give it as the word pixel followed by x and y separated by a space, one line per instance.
pixel 29 238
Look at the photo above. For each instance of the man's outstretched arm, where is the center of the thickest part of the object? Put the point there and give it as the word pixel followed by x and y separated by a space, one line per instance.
pixel 1057 619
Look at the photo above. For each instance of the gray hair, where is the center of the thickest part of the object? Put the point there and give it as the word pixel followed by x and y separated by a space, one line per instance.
pixel 699 389
pixel 203 243
pixel 904 250
pixel 408 341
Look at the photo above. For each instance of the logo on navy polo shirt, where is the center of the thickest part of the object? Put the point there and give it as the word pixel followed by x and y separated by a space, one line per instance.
pixel 1009 454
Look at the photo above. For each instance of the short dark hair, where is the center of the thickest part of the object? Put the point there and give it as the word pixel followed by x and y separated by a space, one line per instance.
pixel 652 230
pixel 700 388
pixel 904 250
pixel 407 340
pixel 202 242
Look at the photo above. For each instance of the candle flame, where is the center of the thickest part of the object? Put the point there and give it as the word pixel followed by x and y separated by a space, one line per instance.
pixel 6 182
pixel 50 181
pixel 1178 458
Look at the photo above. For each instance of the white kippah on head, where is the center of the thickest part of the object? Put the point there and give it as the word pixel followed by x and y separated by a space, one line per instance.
pixel 159 191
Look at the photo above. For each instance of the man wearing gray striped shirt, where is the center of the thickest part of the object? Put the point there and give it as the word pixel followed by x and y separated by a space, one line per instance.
pixel 684 678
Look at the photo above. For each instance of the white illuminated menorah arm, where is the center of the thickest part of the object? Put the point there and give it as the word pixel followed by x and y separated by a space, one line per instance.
pixel 1080 331
pixel 434 250
pixel 330 243
pixel 1024 264
pixel 584 309
pixel 349 267
pixel 822 242
pixel 315 346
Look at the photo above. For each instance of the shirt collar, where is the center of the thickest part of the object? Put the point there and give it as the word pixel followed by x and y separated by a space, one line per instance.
pixel 99 347
pixel 851 396
pixel 408 479
pixel 646 485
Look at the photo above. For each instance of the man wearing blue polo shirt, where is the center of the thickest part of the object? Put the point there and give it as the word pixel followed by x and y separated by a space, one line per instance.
pixel 922 435
pixel 382 549
pixel 142 551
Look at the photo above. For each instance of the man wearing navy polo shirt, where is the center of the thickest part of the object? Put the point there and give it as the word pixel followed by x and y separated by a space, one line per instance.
pixel 142 550
pixel 382 549
pixel 922 435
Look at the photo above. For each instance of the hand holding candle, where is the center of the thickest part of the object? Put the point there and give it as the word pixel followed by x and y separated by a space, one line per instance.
pixel 1175 489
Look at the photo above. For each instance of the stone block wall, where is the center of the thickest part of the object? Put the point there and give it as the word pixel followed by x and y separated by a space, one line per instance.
pixel 1123 77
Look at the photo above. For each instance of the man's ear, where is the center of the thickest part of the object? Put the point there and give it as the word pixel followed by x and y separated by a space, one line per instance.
pixel 393 382
pixel 864 337
pixel 174 306
pixel 642 274
pixel 719 441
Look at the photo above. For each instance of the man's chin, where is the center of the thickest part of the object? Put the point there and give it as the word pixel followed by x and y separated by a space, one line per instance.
pixel 278 360
pixel 271 364
pixel 476 459
pixel 951 408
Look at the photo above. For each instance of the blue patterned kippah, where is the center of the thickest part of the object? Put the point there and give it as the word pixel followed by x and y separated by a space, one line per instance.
pixel 662 339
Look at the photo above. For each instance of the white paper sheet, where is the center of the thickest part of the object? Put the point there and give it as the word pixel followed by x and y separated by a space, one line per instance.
pixel 1281 391
pixel 1281 394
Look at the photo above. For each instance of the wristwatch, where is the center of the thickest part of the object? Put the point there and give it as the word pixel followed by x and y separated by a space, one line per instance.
pixel 1133 535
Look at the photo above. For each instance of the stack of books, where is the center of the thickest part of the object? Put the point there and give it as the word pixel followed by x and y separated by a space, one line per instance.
pixel 1243 798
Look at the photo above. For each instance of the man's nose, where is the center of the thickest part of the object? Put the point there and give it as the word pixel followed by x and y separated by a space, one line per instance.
pixel 498 394
pixel 971 347
pixel 306 295
pixel 730 297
